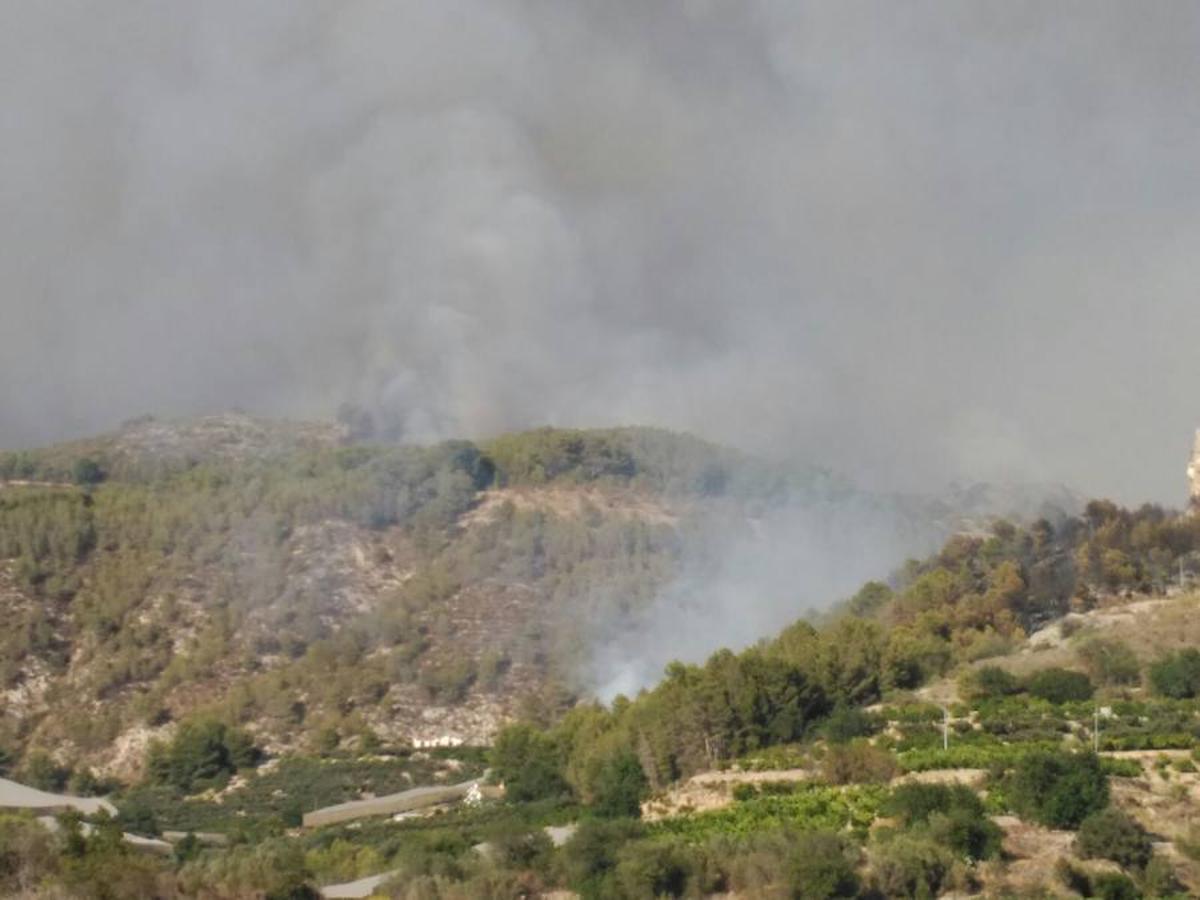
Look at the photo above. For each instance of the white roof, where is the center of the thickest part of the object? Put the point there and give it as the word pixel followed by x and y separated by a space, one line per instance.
pixel 20 796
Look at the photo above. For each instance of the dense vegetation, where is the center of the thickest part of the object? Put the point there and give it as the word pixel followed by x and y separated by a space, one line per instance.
pixel 152 578
pixel 102 560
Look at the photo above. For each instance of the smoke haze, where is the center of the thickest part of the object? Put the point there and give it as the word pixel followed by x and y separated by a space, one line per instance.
pixel 741 581
pixel 915 241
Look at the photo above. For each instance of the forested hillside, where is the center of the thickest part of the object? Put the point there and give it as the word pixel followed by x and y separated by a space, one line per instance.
pixel 975 600
pixel 280 576
pixel 230 639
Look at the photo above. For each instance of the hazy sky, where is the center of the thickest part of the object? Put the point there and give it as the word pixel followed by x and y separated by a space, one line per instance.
pixel 916 241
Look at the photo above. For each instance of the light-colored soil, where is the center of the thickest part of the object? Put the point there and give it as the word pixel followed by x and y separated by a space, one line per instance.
pixel 1166 802
pixel 571 503
pixel 1033 852
pixel 973 778
pixel 711 790
pixel 560 834
pixel 1151 626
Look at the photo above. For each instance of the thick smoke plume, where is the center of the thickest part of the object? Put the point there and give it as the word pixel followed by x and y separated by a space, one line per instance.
pixel 913 240
pixel 746 580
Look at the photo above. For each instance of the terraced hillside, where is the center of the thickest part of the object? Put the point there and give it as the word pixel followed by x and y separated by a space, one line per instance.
pixel 1014 715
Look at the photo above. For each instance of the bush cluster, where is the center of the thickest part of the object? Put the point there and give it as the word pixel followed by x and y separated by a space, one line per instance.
pixel 1177 675
pixel 201 752
pixel 1058 789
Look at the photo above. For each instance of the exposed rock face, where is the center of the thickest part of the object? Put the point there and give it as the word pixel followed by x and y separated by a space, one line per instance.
pixel 1193 473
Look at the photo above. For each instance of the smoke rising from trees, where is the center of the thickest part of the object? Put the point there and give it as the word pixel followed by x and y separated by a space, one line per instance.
pixel 915 241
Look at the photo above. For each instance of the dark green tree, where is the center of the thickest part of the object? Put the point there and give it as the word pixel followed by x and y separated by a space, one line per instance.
pixel 529 764
pixel 657 868
pixel 201 751
pixel 989 682
pixel 620 787
pixel 1177 675
pixel 87 472
pixel 849 722
pixel 1059 789
pixel 821 866
pixel 42 772
pixel 1060 685
pixel 590 857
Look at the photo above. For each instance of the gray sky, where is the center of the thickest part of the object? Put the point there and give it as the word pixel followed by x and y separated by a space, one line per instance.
pixel 915 241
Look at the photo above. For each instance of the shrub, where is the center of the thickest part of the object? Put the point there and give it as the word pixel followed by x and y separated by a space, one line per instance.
pixel 203 750
pixel 1112 834
pixel 657 868
pixel 910 866
pixel 1159 879
pixel 821 865
pixel 42 772
pixel 590 857
pixel 1073 878
pixel 969 835
pixel 523 849
pixel 620 787
pixel 847 723
pixel 1189 844
pixel 87 472
pixel 1110 661
pixel 987 683
pixel 951 815
pixel 326 741
pixel 858 763
pixel 1177 675
pixel 1110 885
pixel 448 682
pixel 1121 768
pixel 1060 685
pixel 1058 789
pixel 1114 886
pixel 914 803
pixel 137 816
pixel 84 783
pixel 274 868
pixel 28 852
pixel 744 792
pixel 527 762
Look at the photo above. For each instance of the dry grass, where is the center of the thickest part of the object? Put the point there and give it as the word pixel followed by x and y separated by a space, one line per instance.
pixel 712 790
pixel 1150 626
pixel 572 503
